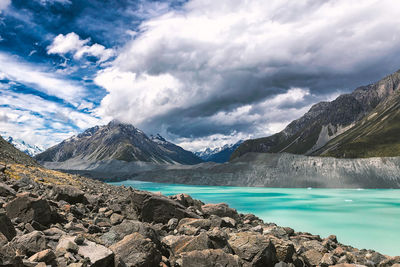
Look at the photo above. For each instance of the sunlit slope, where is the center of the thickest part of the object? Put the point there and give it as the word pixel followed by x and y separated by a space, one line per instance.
pixel 376 135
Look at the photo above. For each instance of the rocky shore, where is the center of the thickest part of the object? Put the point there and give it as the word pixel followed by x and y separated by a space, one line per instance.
pixel 48 218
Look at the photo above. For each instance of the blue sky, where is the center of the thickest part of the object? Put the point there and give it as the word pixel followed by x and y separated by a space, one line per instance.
pixel 200 72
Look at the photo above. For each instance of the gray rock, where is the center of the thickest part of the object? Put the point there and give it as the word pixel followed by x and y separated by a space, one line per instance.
pixel 29 209
pixel 161 210
pixel 249 244
pixel 70 194
pixel 136 250
pixel 66 244
pixel 228 222
pixel 30 244
pixel 191 226
pixel 127 227
pixel 116 218
pixel 6 227
pixel 6 191
pixel 210 258
pixel 172 223
pixel 182 243
pixel 221 210
pixel 47 256
pixel 98 255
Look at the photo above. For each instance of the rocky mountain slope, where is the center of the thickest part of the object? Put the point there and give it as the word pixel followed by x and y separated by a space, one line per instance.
pixel 377 134
pixel 284 170
pixel 327 120
pixel 48 218
pixel 21 145
pixel 219 154
pixel 10 155
pixel 117 141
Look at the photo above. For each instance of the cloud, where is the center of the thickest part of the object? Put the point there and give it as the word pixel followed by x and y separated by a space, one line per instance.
pixel 40 121
pixel 52 2
pixel 194 70
pixel 41 79
pixel 4 4
pixel 71 43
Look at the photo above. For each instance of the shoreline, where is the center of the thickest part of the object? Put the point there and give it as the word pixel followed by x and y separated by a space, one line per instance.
pixel 124 225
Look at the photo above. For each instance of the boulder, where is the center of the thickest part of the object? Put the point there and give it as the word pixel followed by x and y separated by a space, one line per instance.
pixel 127 227
pixel 313 257
pixel 66 244
pixel 29 244
pixel 47 256
pixel 266 257
pixel 191 226
pixel 116 218
pixel 182 243
pixel 221 210
pixel 211 258
pixel 249 244
pixel 29 209
pixel 187 201
pixel 160 210
pixel 6 191
pixel 172 223
pixel 284 249
pixel 70 194
pixel 98 255
pixel 136 250
pixel 6 227
pixel 228 222
pixel 3 240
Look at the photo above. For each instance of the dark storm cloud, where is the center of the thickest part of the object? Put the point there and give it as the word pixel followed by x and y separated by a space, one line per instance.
pixel 228 66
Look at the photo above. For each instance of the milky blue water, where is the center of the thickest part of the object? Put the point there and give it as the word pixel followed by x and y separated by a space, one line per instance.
pixel 361 218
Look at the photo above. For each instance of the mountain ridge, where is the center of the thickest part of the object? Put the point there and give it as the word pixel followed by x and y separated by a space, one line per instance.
pixel 30 150
pixel 301 136
pixel 219 154
pixel 117 141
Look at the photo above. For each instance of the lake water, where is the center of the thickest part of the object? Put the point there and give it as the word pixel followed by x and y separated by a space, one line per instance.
pixel 360 218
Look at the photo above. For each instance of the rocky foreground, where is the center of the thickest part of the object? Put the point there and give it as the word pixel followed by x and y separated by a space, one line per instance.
pixel 49 218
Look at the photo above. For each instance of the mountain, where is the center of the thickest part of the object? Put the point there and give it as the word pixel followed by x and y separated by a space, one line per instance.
pixel 377 134
pixel 21 145
pixel 219 154
pixel 10 155
pixel 327 120
pixel 117 141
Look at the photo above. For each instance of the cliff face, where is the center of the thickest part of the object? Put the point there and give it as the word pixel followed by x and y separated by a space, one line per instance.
pixel 287 170
pixel 327 120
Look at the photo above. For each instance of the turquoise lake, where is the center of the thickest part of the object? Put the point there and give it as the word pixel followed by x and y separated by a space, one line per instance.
pixel 361 218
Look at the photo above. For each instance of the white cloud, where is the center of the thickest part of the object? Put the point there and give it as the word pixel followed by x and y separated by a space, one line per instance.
pixel 226 51
pixel 41 80
pixel 39 121
pixel 71 43
pixel 4 4
pixel 51 2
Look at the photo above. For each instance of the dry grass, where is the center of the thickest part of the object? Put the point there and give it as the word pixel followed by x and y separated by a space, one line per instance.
pixel 41 175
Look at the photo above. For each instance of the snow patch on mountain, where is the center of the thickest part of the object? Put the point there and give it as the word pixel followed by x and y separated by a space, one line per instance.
pixel 23 146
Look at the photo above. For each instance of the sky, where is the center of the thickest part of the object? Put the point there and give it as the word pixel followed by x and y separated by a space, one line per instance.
pixel 202 73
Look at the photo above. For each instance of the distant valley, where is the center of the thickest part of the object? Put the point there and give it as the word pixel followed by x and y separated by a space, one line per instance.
pixel 219 154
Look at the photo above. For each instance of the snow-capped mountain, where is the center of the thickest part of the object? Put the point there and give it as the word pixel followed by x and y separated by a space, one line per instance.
pixel 23 146
pixel 118 141
pixel 219 154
